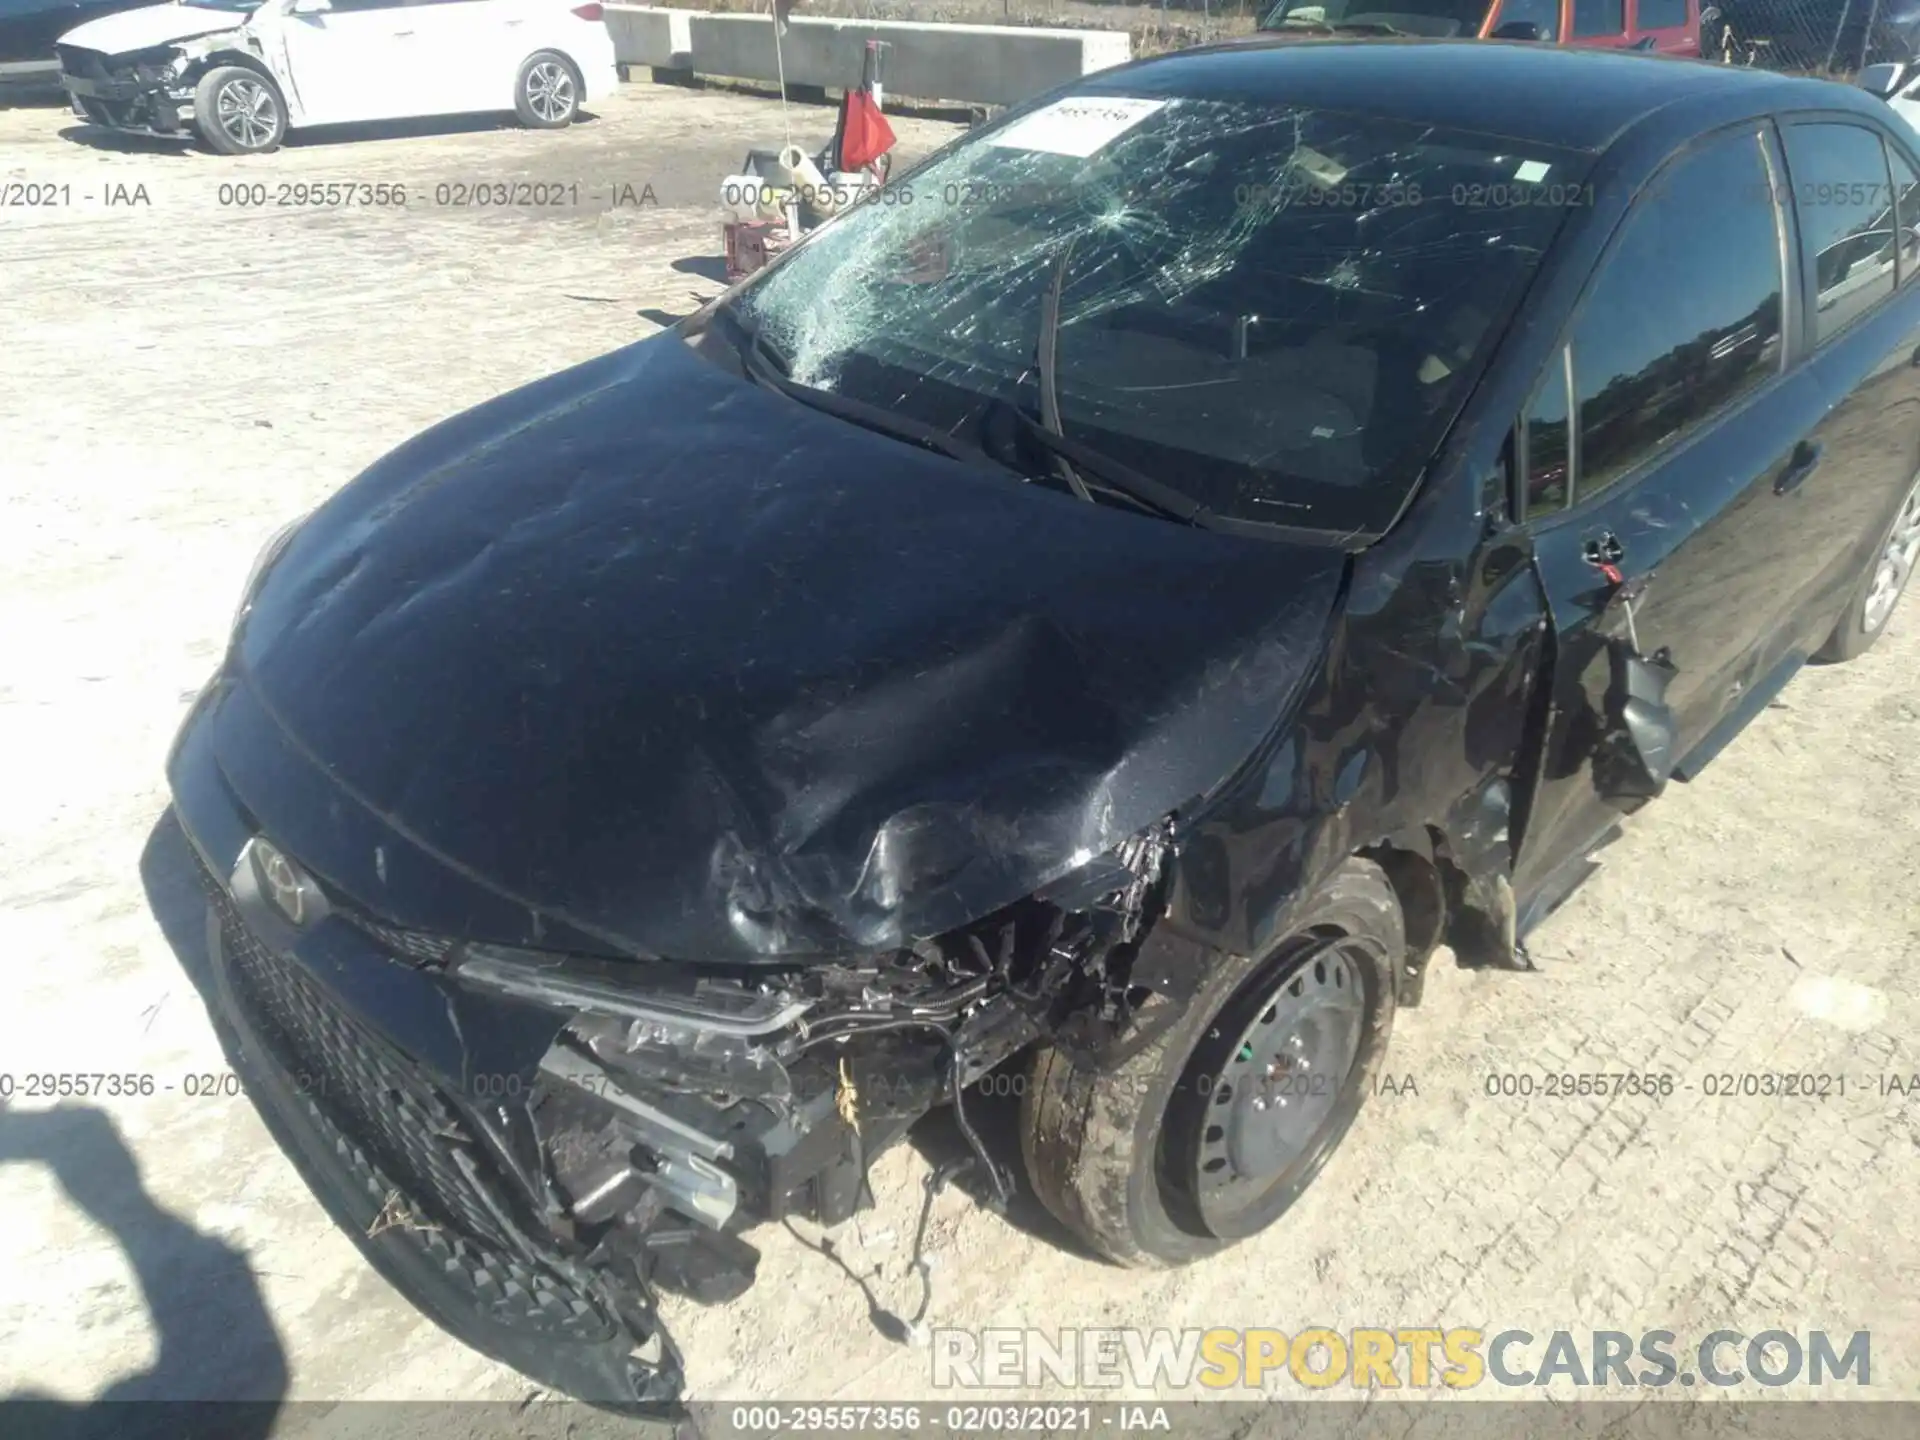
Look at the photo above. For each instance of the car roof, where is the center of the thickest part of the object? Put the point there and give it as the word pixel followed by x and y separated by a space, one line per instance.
pixel 1577 99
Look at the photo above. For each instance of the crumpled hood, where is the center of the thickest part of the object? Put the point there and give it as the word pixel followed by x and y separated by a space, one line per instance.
pixel 151 25
pixel 705 673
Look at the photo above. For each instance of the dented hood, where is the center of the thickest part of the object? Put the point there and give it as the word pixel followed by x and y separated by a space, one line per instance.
pixel 149 26
pixel 705 673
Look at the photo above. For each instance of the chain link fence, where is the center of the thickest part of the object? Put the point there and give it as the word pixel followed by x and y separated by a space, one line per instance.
pixel 1820 37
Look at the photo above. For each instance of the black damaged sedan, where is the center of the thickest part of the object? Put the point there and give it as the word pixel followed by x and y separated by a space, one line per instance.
pixel 1109 609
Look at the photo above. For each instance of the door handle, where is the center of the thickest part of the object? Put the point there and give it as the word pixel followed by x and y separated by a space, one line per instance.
pixel 1800 465
pixel 402 34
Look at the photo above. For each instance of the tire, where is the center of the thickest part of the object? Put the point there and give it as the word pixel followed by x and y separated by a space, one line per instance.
pixel 1117 1157
pixel 1891 568
pixel 239 111
pixel 547 91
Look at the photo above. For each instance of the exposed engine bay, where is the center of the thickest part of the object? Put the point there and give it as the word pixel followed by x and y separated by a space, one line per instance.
pixel 669 1119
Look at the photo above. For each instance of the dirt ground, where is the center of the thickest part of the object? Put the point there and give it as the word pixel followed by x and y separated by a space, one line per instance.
pixel 183 373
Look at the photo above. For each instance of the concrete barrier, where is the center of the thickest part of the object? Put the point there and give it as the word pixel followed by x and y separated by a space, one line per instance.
pixel 974 64
pixel 649 35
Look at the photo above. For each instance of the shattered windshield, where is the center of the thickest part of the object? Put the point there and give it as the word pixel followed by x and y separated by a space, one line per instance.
pixel 1269 310
pixel 1434 19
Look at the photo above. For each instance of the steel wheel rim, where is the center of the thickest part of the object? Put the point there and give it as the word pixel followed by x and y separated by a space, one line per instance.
pixel 1895 565
pixel 1272 1096
pixel 550 90
pixel 246 111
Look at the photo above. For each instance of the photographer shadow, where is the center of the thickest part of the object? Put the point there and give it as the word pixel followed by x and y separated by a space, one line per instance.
pixel 214 1338
pixel 220 1370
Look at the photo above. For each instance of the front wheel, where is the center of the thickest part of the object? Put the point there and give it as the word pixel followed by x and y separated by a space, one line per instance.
pixel 1207 1135
pixel 238 111
pixel 547 94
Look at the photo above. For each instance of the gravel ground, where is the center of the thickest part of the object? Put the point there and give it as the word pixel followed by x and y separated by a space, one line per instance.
pixel 181 375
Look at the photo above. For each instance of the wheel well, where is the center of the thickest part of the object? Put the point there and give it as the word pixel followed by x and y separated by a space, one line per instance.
pixel 1418 885
pixel 555 50
pixel 239 58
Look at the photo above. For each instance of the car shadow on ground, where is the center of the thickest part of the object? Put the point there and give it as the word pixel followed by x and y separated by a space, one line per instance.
pixel 99 137
pixel 994 1116
pixel 701 267
pixel 179 905
pixel 214 1339
pixel 993 1111
pixel 705 267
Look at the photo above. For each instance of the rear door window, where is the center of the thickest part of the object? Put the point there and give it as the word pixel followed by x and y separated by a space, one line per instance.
pixel 1660 14
pixel 1906 187
pixel 1844 197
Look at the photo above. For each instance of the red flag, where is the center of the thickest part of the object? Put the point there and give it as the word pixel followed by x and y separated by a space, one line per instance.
pixel 865 134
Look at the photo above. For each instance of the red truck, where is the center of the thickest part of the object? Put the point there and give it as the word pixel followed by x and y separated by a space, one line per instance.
pixel 1670 27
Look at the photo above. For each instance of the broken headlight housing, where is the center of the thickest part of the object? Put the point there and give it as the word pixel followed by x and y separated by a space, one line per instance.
pixel 713 1037
pixel 716 1094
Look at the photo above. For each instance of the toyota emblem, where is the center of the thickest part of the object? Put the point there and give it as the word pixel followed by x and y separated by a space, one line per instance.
pixel 286 887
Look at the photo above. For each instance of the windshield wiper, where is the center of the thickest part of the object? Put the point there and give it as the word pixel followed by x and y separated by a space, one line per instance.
pixel 1115 476
pixel 1070 457
pixel 1049 363
pixel 767 367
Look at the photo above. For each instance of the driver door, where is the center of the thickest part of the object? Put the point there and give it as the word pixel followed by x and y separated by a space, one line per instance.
pixel 356 60
pixel 1663 460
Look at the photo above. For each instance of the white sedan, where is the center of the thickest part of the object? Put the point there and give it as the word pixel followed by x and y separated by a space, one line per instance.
pixel 241 73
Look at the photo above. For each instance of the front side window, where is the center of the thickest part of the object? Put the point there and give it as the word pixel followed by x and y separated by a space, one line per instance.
pixel 1594 18
pixel 1844 198
pixel 1273 310
pixel 1682 319
pixel 1660 14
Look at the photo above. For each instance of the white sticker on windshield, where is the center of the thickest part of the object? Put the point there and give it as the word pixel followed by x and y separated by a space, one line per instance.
pixel 1077 127
pixel 1531 172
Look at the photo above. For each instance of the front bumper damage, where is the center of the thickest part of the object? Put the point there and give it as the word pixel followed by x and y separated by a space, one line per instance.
pixel 531 1146
pixel 145 92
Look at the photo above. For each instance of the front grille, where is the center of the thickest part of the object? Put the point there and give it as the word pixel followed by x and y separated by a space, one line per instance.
pixel 399 1139
pixel 414 946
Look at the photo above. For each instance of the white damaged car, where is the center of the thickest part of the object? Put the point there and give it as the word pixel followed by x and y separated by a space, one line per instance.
pixel 239 74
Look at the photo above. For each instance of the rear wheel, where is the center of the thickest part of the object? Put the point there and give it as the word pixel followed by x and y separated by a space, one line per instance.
pixel 239 111
pixel 547 94
pixel 1209 1134
pixel 1892 566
